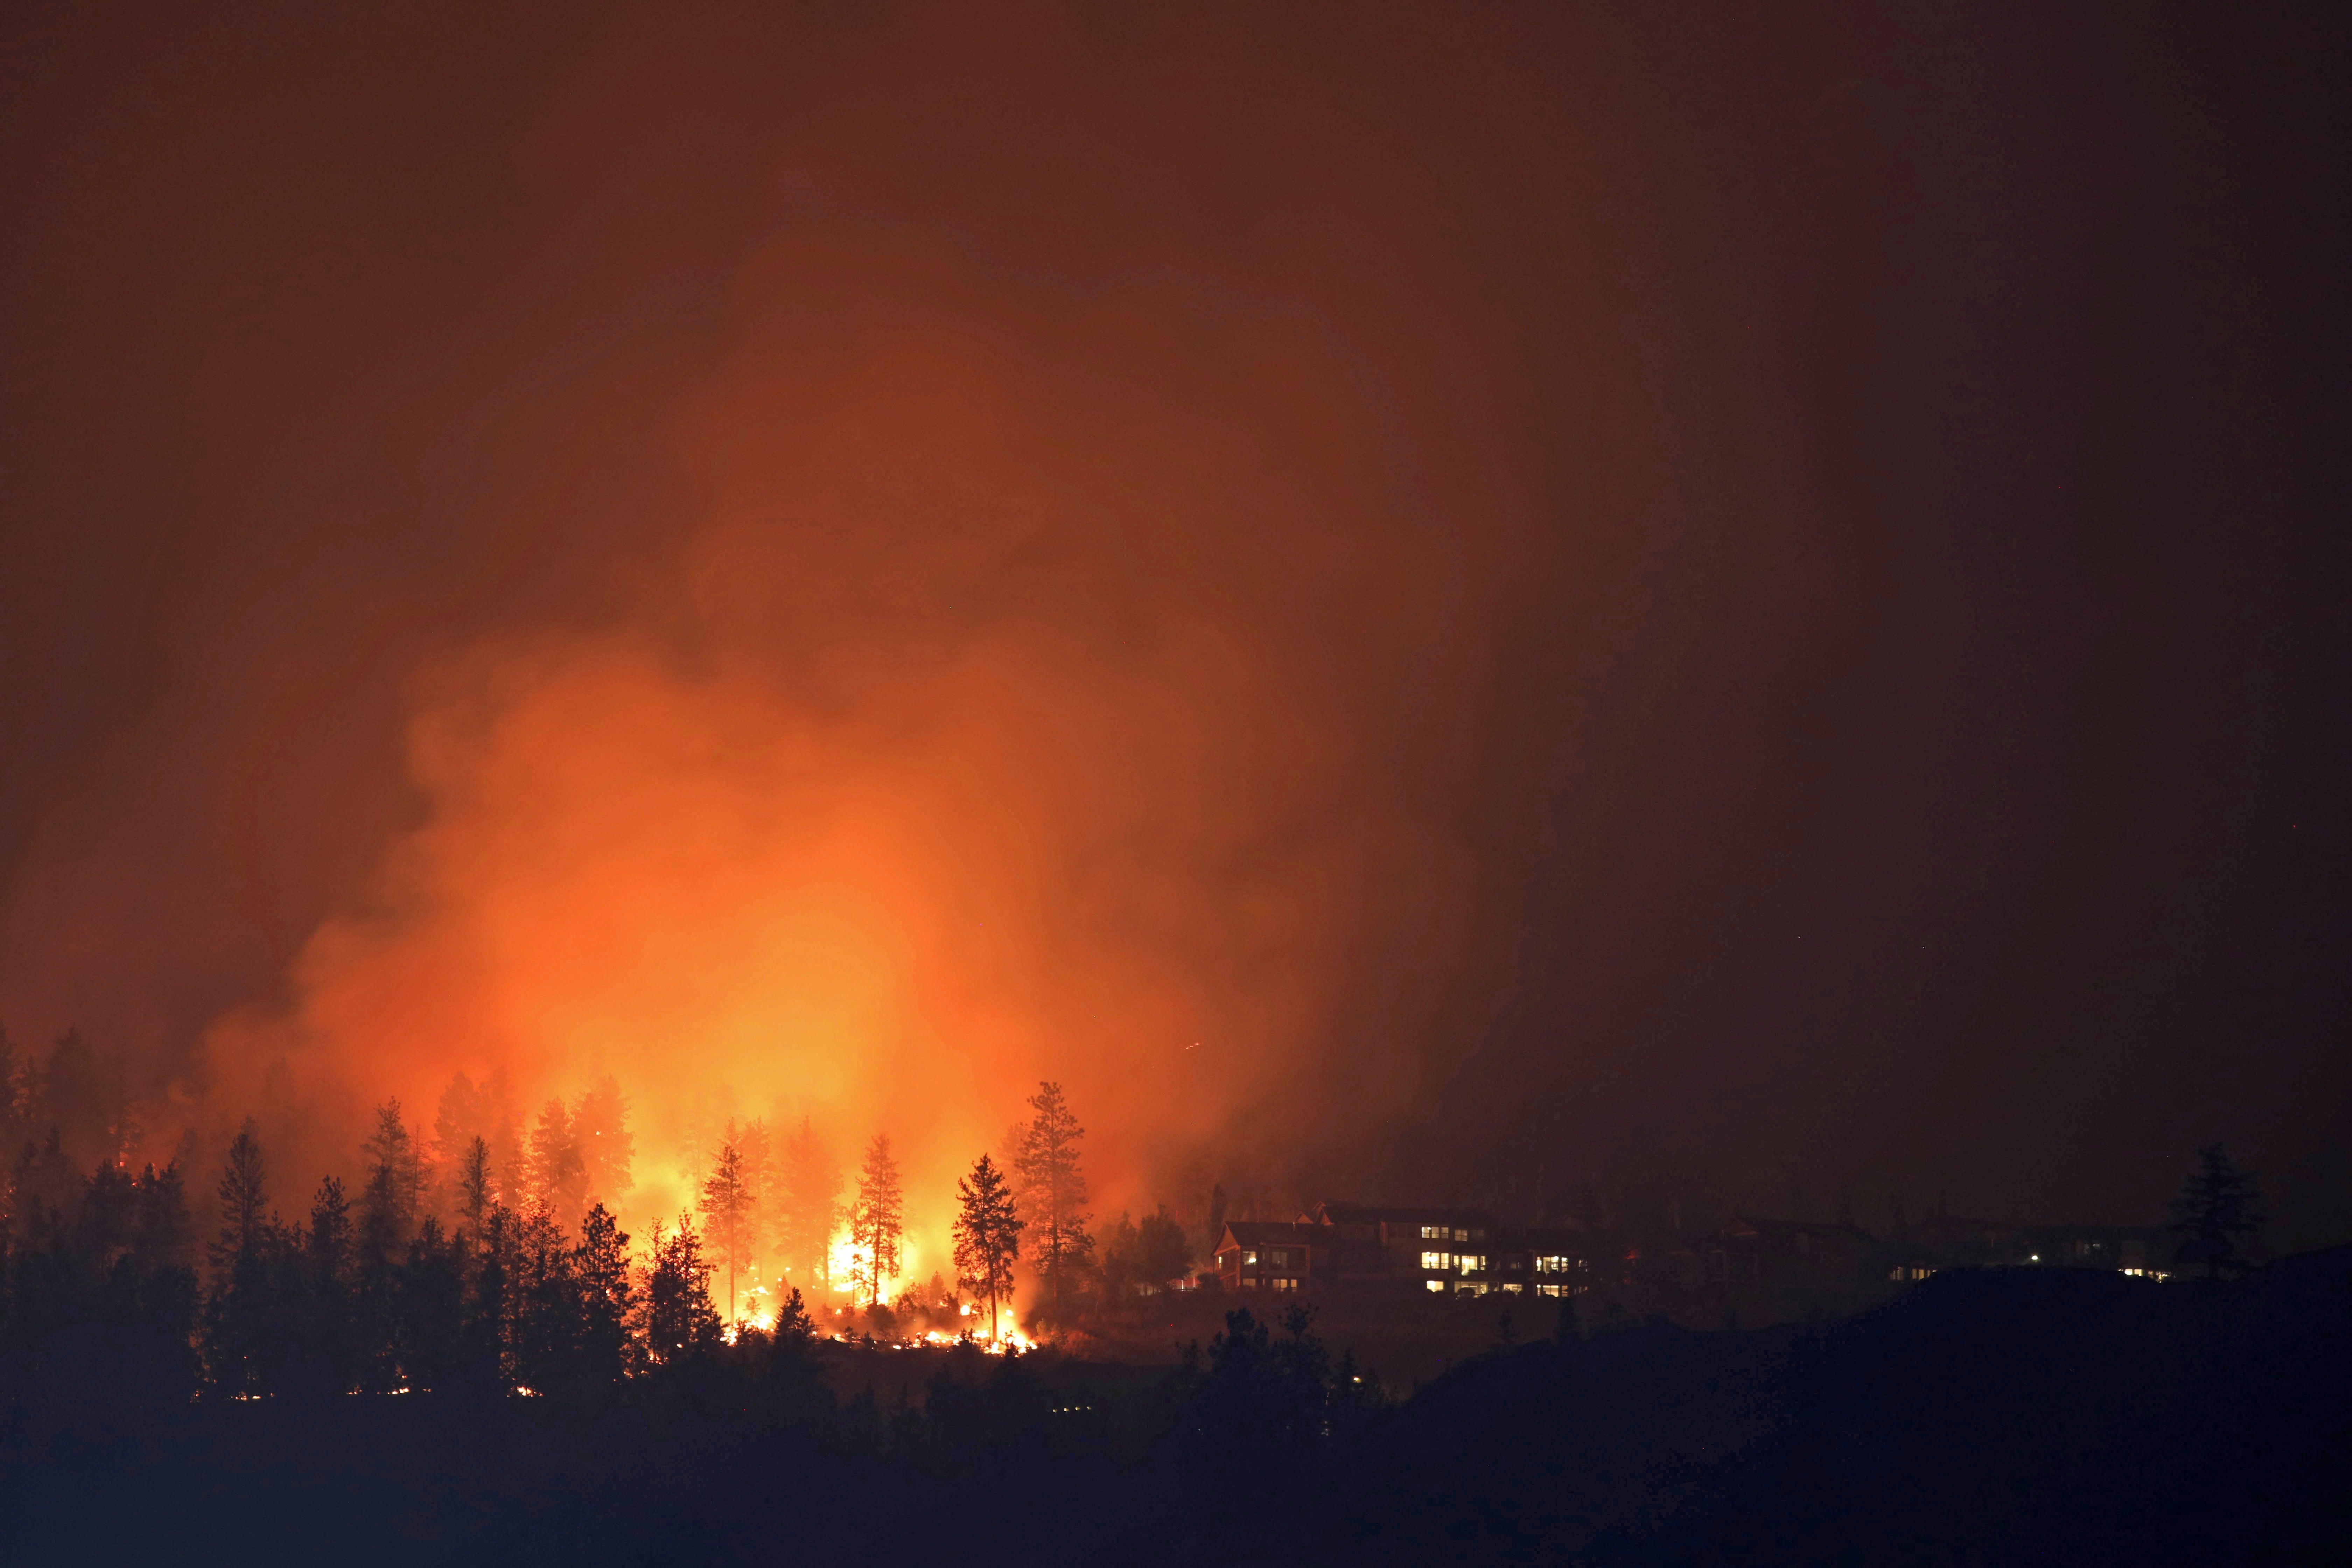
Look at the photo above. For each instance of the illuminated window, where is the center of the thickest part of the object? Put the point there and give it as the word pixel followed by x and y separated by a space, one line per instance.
pixel 1441 1262
pixel 1549 1290
pixel 1438 1285
pixel 1470 1262
pixel 1512 1287
pixel 1436 1232
pixel 1460 1234
pixel 1551 1265
pixel 1283 1284
pixel 1249 1259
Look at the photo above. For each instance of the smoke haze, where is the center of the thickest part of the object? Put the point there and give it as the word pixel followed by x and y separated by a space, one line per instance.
pixel 1430 599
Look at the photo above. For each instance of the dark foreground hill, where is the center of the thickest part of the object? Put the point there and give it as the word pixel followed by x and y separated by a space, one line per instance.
pixel 2013 1416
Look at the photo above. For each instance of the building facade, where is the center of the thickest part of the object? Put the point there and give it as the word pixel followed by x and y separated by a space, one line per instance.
pixel 1446 1251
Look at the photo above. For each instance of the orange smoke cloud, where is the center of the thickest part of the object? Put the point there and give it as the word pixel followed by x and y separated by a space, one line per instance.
pixel 808 831
pixel 1021 605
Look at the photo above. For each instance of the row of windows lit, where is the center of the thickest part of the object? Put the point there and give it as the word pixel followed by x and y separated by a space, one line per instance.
pixel 1506 1287
pixel 1277 1258
pixel 1475 1263
pixel 1450 1232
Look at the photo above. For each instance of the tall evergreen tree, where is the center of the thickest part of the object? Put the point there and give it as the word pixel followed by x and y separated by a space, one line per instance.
pixel 1053 1193
pixel 244 1193
pixel 987 1234
pixel 327 1296
pixel 2218 1205
pixel 878 1220
pixel 395 1183
pixel 547 1305
pixel 457 1122
pixel 1163 1252
pixel 162 1263
pixel 731 1215
pixel 241 1318
pixel 810 1209
pixel 429 1340
pixel 559 1176
pixel 474 1185
pixel 500 1126
pixel 752 1143
pixel 599 1124
pixel 601 1265
pixel 679 1320
pixel 490 1292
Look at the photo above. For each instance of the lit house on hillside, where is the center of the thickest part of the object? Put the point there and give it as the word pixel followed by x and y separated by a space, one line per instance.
pixel 1450 1251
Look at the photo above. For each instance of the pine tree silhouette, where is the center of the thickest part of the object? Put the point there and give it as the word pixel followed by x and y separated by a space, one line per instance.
pixel 878 1220
pixel 1053 1193
pixel 2218 1204
pixel 987 1236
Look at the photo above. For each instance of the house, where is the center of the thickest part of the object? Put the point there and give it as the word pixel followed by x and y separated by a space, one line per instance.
pixel 1272 1254
pixel 1409 1247
pixel 1450 1251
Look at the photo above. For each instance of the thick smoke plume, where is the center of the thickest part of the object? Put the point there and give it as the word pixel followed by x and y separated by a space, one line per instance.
pixel 1438 602
pixel 1007 528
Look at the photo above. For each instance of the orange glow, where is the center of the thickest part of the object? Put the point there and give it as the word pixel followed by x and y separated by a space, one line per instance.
pixel 1008 691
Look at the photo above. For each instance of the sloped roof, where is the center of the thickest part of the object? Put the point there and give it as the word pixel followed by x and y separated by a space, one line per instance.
pixel 1373 1214
pixel 1272 1232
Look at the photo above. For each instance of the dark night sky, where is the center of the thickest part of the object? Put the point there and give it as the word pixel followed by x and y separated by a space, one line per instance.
pixel 1753 594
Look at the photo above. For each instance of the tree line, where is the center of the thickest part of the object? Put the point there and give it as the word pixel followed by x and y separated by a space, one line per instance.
pixel 487 1256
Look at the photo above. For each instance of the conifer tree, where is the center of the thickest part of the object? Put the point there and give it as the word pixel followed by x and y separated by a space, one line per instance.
pixel 1053 1193
pixel 878 1220
pixel 457 1121
pixel 2218 1204
pixel 546 1309
pixel 811 1206
pixel 326 1303
pixel 679 1320
pixel 751 1142
pixel 1121 1260
pixel 490 1293
pixel 236 1319
pixel 244 1195
pixel 601 1265
pixel 559 1176
pixel 498 1126
pixel 429 1339
pixel 1163 1253
pixel 600 1125
pixel 396 1182
pixel 161 1237
pixel 161 1261
pixel 473 1184
pixel 729 1215
pixel 987 1234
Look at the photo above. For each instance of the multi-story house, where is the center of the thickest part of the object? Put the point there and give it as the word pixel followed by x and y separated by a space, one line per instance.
pixel 1443 1250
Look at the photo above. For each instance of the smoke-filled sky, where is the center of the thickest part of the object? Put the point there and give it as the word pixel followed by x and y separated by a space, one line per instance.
pixel 1412 601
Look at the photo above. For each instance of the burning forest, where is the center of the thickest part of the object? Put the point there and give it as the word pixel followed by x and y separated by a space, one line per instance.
pixel 1060 781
